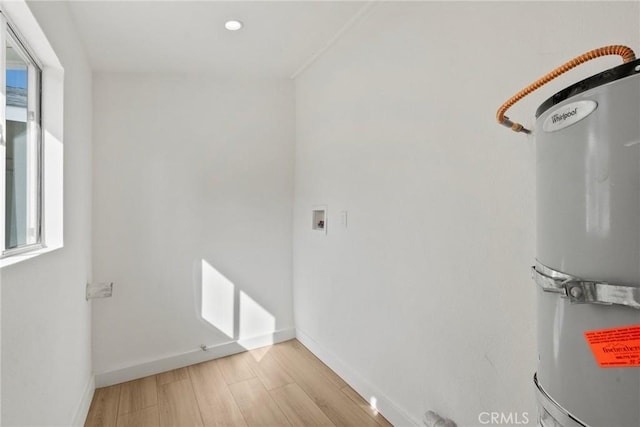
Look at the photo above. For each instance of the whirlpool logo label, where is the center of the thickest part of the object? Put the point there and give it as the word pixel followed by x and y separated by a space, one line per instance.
pixel 564 116
pixel 568 114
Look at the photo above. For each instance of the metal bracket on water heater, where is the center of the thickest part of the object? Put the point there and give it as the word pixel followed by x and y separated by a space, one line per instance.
pixel 585 291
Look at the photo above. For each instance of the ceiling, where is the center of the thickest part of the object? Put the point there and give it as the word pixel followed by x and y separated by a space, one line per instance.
pixel 279 37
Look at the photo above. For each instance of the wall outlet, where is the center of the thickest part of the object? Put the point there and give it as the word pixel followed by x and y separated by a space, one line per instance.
pixel 343 219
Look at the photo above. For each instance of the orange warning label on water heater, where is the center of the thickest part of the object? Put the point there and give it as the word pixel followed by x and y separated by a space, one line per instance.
pixel 616 347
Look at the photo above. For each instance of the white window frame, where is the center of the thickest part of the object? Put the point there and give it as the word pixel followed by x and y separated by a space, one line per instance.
pixel 33 115
pixel 17 14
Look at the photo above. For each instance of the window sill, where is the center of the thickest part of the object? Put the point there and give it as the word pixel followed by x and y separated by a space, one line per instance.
pixel 19 257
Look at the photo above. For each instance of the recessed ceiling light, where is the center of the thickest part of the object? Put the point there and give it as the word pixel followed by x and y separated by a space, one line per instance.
pixel 233 25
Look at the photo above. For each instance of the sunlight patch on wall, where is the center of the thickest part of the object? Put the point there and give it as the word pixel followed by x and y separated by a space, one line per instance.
pixel 254 319
pixel 217 299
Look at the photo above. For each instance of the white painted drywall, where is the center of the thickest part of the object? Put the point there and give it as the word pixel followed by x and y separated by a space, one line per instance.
pixel 193 195
pixel 46 321
pixel 427 294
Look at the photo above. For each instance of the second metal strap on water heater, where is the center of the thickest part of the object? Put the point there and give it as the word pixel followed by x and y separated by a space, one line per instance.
pixel 585 291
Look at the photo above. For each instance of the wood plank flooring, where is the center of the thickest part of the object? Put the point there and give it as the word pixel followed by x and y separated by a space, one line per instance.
pixel 279 385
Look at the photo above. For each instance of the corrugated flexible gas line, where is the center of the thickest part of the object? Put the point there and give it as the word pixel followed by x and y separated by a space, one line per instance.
pixel 625 52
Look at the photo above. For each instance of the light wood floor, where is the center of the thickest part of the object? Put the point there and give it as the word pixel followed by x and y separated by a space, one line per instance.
pixel 279 385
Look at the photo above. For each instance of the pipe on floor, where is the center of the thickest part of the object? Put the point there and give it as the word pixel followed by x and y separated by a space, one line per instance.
pixel 431 419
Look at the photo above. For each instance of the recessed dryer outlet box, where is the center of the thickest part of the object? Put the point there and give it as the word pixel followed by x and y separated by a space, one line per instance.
pixel 319 219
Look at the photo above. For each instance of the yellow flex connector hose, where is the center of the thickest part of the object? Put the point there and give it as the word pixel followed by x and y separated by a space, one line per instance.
pixel 627 55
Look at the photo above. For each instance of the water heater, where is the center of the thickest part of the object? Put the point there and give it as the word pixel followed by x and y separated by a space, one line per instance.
pixel 588 252
pixel 587 270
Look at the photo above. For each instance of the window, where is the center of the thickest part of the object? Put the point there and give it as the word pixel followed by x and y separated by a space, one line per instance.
pixel 31 138
pixel 23 148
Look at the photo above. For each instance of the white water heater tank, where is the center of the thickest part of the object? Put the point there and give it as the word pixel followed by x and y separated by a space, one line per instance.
pixel 588 252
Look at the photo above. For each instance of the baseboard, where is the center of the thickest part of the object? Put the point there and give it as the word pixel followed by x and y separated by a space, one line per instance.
pixel 157 366
pixel 385 406
pixel 83 408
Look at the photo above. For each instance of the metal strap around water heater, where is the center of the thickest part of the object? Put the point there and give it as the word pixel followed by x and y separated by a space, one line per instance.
pixel 549 408
pixel 585 291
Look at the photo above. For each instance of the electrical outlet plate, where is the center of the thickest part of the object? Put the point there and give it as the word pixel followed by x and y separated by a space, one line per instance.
pixel 99 290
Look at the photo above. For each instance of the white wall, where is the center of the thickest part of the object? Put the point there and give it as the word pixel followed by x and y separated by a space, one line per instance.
pixel 193 185
pixel 46 322
pixel 425 300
